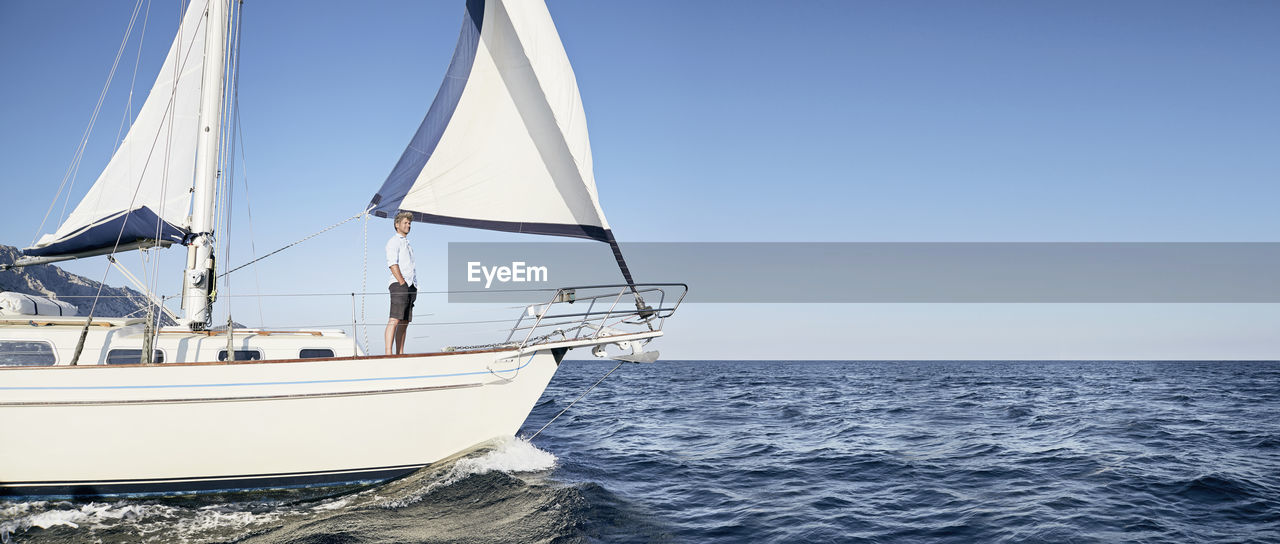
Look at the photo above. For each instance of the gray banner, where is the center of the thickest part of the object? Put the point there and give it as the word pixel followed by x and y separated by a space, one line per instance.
pixel 881 272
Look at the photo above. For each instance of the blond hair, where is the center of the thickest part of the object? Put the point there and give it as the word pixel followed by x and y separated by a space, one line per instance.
pixel 402 215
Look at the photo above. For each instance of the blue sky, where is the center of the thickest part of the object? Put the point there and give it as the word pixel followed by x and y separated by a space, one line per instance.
pixel 745 121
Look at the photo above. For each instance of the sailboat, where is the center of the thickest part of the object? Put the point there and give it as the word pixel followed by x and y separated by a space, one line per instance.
pixel 95 407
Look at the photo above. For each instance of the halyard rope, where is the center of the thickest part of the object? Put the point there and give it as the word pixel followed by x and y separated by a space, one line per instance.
pixel 308 237
pixel 364 284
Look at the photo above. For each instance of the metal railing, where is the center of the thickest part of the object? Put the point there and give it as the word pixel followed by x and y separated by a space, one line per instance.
pixel 567 313
pixel 554 321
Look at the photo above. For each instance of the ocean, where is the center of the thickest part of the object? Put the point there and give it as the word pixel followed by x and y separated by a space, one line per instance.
pixel 835 451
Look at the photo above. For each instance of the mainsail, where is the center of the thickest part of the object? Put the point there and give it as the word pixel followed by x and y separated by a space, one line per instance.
pixel 504 145
pixel 143 196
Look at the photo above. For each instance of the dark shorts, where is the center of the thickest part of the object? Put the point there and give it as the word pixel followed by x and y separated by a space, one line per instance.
pixel 402 299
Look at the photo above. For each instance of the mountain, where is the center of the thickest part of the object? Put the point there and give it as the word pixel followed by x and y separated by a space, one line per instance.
pixel 50 281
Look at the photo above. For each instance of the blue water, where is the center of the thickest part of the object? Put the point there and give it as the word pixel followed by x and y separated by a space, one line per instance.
pixel 807 451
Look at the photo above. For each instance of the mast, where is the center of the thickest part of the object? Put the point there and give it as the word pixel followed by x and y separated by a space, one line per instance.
pixel 198 278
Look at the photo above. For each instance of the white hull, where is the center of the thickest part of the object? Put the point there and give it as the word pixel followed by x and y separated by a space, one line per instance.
pixel 198 424
pixel 177 428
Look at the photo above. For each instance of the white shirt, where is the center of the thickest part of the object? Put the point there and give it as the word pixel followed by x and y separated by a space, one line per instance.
pixel 399 252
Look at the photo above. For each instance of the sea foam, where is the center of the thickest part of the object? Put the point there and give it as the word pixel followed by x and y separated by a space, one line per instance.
pixel 148 522
pixel 508 455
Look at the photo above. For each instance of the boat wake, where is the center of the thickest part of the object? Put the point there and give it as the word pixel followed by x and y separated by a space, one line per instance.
pixel 44 521
pixel 183 520
pixel 509 456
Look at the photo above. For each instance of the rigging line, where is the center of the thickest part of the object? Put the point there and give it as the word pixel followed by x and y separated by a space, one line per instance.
pixel 73 170
pixel 308 237
pixel 219 191
pixel 226 137
pixel 575 401
pixel 149 273
pixel 84 333
pixel 364 283
pixel 93 307
pixel 147 287
pixel 248 207
pixel 238 131
pixel 229 156
pixel 74 167
pixel 146 293
pixel 156 310
pixel 228 152
pixel 150 295
pixel 164 169
pixel 136 191
pixel 127 120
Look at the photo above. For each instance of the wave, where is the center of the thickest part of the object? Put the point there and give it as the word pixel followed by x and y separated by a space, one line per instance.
pixel 135 521
pixel 164 521
pixel 510 456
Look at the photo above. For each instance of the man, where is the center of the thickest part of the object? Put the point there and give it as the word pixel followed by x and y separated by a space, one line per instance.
pixel 404 288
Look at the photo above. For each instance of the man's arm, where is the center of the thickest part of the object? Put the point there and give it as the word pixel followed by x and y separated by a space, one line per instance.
pixel 393 260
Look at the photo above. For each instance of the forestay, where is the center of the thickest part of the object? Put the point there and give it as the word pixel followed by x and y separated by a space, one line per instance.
pixel 144 192
pixel 504 145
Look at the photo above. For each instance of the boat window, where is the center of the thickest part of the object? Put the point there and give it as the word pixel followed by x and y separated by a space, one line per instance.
pixel 23 353
pixel 315 353
pixel 131 357
pixel 242 355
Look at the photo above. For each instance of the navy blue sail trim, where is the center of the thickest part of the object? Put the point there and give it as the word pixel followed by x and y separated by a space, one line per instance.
pixel 387 200
pixel 226 484
pixel 125 227
pixel 622 263
pixel 551 229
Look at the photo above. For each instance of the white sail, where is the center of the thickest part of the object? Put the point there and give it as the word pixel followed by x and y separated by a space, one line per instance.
pixel 144 192
pixel 504 145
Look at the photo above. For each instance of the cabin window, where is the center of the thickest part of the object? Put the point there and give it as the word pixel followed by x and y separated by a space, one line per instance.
pixel 242 355
pixel 315 353
pixel 23 353
pixel 131 357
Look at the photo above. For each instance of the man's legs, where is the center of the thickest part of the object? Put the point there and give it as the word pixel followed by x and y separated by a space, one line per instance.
pixel 401 330
pixel 394 332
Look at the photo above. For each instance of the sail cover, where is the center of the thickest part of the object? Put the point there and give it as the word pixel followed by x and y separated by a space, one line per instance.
pixel 504 145
pixel 144 192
